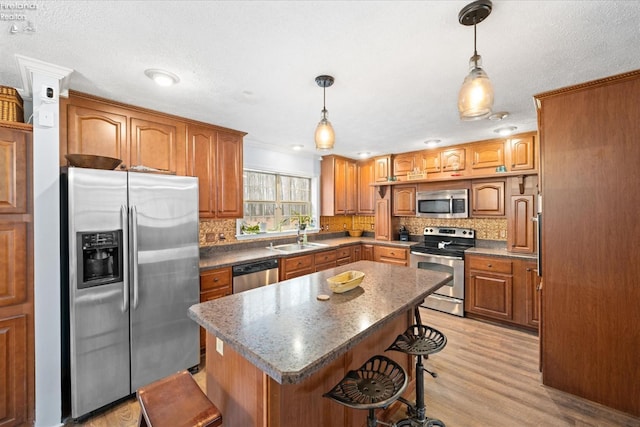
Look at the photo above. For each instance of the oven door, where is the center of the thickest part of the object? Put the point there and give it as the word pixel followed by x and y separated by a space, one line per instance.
pixel 454 266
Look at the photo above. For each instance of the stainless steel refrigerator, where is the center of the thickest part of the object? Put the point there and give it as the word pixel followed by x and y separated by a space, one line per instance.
pixel 130 271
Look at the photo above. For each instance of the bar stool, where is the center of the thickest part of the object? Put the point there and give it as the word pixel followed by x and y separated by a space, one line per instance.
pixel 176 401
pixel 420 341
pixel 375 385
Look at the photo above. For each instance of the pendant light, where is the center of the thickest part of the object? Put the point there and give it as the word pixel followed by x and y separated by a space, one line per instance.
pixel 325 137
pixel 475 99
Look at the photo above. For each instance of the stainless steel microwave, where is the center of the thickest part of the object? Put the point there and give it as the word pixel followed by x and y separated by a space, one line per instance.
pixel 443 204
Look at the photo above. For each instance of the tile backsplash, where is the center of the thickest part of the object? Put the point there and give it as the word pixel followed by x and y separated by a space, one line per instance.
pixel 486 228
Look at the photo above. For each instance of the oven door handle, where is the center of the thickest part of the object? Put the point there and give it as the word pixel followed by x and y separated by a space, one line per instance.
pixel 447 299
pixel 422 254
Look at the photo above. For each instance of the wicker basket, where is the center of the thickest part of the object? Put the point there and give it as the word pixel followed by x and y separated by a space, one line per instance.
pixel 11 105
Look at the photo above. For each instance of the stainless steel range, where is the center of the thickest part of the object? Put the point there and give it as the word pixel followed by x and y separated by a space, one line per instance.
pixel 442 249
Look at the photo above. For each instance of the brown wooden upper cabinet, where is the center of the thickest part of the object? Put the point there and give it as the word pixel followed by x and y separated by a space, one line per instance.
pixel 453 159
pixel 522 152
pixel 403 164
pixel 161 141
pixel 13 176
pixel 382 169
pixel 338 186
pixel 215 157
pixel 366 203
pixel 487 156
pixel 404 200
pixel 429 161
pixel 487 198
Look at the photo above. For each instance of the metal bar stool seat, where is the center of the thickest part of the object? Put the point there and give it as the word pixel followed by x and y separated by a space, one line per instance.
pixel 420 341
pixel 376 384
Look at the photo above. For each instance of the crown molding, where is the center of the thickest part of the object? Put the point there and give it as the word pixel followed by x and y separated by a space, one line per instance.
pixel 27 66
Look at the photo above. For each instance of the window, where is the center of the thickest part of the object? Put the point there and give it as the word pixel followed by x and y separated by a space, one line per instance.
pixel 275 202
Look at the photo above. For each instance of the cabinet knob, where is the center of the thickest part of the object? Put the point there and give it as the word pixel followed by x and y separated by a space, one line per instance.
pixel 489 265
pixel 513 165
pixel 528 269
pixel 216 279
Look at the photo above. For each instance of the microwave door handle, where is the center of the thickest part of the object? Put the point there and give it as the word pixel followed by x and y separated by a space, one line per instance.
pixel 451 204
pixel 125 256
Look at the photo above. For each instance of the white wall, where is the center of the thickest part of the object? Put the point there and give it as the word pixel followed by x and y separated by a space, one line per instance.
pixel 46 221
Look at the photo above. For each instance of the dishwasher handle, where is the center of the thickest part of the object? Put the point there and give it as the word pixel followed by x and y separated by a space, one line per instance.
pixel 254 267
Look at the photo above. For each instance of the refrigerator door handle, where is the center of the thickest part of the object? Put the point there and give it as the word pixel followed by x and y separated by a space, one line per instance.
pixel 134 253
pixel 125 256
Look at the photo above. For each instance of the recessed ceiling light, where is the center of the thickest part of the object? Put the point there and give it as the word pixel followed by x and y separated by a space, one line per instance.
pixel 162 77
pixel 496 117
pixel 297 147
pixel 364 154
pixel 505 131
pixel 432 142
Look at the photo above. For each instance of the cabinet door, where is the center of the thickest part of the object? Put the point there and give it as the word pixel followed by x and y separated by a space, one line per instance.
pixel 383 220
pixel 13 371
pixel 13 175
pixel 367 252
pixel 340 186
pixel 366 192
pixel 351 187
pixel 487 198
pixel 429 161
pixel 520 228
pixel 532 284
pixel 229 182
pixel 13 259
pixel 202 160
pixel 101 133
pixel 490 295
pixel 402 164
pixel 487 156
pixel 404 201
pixel 382 168
pixel 522 153
pixel 453 160
pixel 357 253
pixel 154 144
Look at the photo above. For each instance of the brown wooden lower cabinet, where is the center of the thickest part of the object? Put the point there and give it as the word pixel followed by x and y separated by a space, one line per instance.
pixel 296 266
pixel 502 289
pixel 247 396
pixel 214 284
pixel 367 252
pixel 324 260
pixel 391 255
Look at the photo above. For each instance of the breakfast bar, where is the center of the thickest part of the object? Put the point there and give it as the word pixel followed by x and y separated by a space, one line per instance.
pixel 273 351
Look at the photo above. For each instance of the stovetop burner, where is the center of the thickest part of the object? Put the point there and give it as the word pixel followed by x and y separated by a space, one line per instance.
pixel 446 241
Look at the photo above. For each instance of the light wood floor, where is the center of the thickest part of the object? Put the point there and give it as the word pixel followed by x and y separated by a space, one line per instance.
pixel 487 376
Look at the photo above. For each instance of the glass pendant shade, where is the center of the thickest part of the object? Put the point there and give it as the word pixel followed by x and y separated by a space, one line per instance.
pixel 475 100
pixel 325 137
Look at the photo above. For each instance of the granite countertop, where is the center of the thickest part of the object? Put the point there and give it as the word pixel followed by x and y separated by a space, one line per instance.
pixel 500 252
pixel 285 331
pixel 218 257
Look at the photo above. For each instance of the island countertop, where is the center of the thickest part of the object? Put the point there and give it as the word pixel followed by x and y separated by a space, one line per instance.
pixel 285 331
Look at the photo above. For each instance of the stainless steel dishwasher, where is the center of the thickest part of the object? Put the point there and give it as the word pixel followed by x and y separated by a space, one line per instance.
pixel 254 275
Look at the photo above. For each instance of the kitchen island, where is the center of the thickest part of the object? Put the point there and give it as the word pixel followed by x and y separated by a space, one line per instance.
pixel 273 351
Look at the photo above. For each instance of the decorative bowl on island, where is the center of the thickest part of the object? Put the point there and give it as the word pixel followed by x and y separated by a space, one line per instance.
pixel 346 281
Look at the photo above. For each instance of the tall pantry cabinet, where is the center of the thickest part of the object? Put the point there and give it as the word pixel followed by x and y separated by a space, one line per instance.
pixel 17 364
pixel 590 157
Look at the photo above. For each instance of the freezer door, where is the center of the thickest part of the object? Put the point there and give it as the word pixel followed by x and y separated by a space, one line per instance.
pixel 98 332
pixel 164 275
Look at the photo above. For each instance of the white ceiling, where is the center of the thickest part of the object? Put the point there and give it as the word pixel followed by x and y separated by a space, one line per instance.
pixel 398 65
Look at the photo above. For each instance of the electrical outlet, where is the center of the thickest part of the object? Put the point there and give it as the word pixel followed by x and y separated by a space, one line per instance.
pixel 219 346
pixel 344 226
pixel 503 234
pixel 372 227
pixel 210 237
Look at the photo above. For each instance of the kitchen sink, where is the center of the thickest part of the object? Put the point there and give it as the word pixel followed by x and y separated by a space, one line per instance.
pixel 295 247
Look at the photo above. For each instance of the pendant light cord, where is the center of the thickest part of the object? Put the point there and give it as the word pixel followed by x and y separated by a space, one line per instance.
pixel 475 50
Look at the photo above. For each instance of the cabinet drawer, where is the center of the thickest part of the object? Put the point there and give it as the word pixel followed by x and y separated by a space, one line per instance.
pixel 343 252
pixel 495 265
pixel 215 279
pixel 298 262
pixel 325 257
pixel 386 252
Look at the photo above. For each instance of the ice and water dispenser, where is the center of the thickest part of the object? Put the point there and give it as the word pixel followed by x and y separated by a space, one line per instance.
pixel 99 258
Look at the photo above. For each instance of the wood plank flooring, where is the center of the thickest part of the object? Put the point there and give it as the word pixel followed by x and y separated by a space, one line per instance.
pixel 487 376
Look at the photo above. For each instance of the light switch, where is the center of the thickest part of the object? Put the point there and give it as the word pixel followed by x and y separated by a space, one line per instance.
pixel 219 346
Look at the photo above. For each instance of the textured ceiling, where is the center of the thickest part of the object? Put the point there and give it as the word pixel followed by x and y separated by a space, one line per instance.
pixel 398 65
